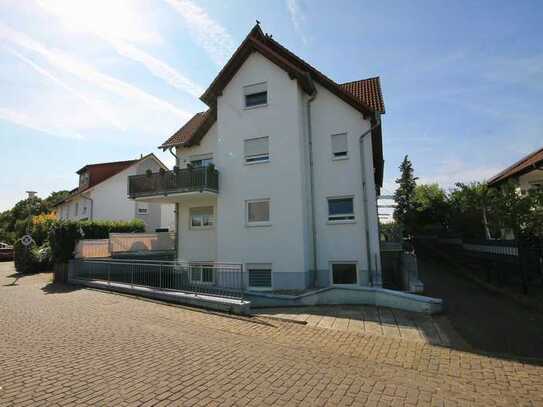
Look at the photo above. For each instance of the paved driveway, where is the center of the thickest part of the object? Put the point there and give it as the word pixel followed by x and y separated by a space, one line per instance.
pixel 78 346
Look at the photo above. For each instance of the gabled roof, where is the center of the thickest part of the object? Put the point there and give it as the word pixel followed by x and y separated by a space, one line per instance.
pixel 368 91
pixel 100 172
pixel 530 162
pixel 193 130
pixel 363 95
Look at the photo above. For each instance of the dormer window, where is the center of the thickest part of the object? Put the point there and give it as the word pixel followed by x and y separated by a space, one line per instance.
pixel 84 180
pixel 256 95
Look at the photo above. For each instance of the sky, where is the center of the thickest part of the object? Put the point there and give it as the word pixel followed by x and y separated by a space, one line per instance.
pixel 95 81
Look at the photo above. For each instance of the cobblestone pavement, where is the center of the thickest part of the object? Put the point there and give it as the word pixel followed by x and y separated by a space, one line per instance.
pixel 370 320
pixel 68 346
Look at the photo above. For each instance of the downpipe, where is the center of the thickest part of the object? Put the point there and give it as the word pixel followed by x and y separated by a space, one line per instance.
pixel 176 211
pixel 365 202
pixel 312 188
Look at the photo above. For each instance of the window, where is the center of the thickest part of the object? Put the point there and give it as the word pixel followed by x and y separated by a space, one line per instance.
pixel 84 180
pixel 201 218
pixel 344 273
pixel 339 146
pixel 256 150
pixel 201 273
pixel 256 95
pixel 258 212
pixel 340 209
pixel 201 161
pixel 76 208
pixel 260 276
pixel 143 208
pixel 536 185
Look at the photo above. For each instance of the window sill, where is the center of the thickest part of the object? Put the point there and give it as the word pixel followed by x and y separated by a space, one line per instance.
pixel 340 222
pixel 346 157
pixel 257 162
pixel 258 225
pixel 255 107
pixel 269 289
pixel 198 228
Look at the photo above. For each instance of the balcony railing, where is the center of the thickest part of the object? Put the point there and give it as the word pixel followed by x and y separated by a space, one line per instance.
pixel 173 182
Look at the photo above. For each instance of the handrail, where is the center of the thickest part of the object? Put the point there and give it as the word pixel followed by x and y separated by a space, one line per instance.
pixel 181 180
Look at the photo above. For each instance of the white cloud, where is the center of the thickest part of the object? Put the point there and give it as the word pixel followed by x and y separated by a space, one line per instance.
pixel 209 34
pixel 102 111
pixel 452 171
pixel 88 73
pixel 158 68
pixel 120 33
pixel 34 123
pixel 119 20
pixel 296 11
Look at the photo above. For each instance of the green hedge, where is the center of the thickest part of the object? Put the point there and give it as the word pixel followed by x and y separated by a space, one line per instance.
pixel 63 235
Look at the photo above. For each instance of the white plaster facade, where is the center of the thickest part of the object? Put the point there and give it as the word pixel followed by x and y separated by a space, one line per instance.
pixel 108 200
pixel 285 244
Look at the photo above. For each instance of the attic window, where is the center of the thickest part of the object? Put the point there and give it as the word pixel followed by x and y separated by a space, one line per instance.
pixel 256 95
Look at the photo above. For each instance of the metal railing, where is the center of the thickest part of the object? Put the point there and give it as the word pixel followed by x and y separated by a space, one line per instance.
pixel 205 278
pixel 181 180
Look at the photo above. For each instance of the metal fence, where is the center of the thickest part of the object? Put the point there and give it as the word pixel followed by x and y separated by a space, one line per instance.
pixel 499 262
pixel 214 279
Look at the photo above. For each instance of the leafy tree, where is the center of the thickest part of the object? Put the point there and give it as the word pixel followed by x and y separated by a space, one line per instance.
pixel 432 208
pixel 471 208
pixel 404 213
pixel 54 197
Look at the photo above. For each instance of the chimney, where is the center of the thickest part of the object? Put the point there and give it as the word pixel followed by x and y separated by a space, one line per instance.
pixel 31 194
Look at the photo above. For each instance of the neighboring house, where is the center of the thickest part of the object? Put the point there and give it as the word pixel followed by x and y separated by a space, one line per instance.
pixel 102 195
pixel 276 175
pixel 526 173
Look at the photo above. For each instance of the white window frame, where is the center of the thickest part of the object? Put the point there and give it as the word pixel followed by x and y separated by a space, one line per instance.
pixel 202 226
pixel 201 266
pixel 339 157
pixel 257 223
pixel 142 210
pixel 337 219
pixel 256 158
pixel 245 94
pixel 331 264
pixel 207 158
pixel 259 266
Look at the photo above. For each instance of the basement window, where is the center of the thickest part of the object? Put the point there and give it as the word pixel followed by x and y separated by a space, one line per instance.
pixel 260 276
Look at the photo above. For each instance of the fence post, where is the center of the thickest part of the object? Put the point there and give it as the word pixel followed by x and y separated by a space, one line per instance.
pixel 109 274
pixel 521 256
pixel 132 276
pixel 160 277
pixel 242 282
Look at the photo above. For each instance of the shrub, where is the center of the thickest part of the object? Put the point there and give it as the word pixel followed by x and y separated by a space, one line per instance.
pixel 40 227
pixel 24 257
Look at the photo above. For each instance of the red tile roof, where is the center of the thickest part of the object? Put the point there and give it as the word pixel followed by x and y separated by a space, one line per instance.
pixel 196 126
pixel 100 172
pixel 526 164
pixel 368 91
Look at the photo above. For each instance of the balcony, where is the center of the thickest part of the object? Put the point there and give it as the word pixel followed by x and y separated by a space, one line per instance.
pixel 181 181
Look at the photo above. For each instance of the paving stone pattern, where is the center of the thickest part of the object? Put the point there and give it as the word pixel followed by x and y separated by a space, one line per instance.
pixel 67 346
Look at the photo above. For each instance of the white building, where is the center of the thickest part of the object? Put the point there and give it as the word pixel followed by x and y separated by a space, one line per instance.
pixel 102 195
pixel 281 173
pixel 526 174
